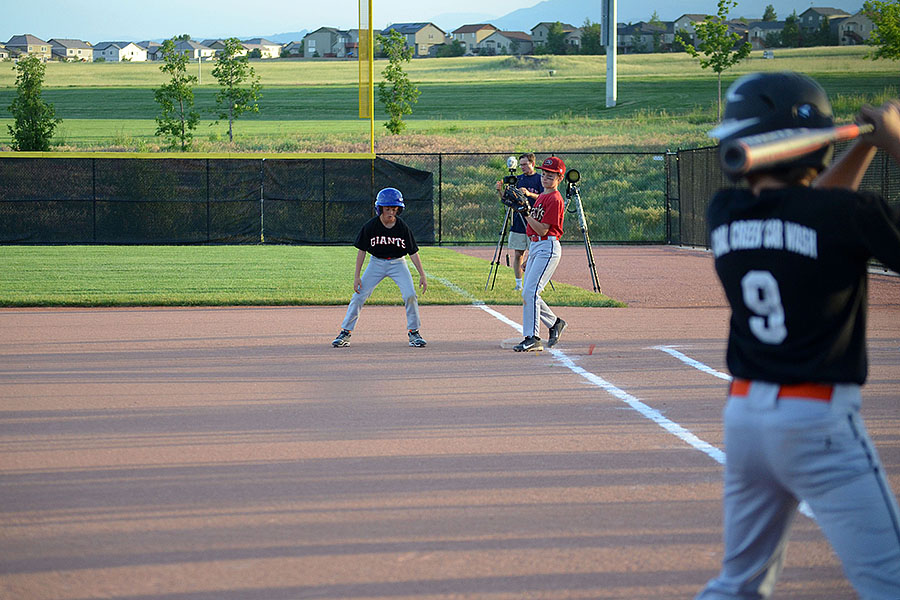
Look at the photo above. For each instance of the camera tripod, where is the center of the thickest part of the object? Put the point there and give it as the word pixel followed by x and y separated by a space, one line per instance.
pixel 495 262
pixel 573 197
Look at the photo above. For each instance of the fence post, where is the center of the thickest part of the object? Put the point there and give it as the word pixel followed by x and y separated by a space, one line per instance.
pixel 208 229
pixel 94 198
pixel 262 208
pixel 440 198
pixel 670 156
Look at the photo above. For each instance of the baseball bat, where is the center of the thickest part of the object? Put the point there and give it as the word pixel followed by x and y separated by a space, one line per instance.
pixel 756 151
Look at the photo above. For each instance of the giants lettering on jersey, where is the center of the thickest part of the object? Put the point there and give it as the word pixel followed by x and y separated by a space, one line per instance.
pixel 537 212
pixel 769 234
pixel 383 240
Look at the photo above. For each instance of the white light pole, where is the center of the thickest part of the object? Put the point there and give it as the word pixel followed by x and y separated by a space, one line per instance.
pixel 608 23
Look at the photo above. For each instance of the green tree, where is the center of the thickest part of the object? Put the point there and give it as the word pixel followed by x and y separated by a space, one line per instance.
pixel 769 14
pixel 239 84
pixel 592 38
pixel 823 37
pixel 178 118
pixel 658 29
pixel 886 36
pixel 773 39
pixel 395 91
pixel 454 48
pixel 720 50
pixel 556 39
pixel 33 119
pixel 682 39
pixel 790 35
pixel 637 43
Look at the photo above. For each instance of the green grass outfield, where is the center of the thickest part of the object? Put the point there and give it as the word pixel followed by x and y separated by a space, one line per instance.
pixel 661 97
pixel 239 275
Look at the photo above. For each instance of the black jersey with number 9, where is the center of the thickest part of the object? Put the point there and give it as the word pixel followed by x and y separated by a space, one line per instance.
pixel 793 264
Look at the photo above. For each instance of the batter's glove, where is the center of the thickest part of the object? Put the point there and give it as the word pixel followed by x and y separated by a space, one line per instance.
pixel 516 199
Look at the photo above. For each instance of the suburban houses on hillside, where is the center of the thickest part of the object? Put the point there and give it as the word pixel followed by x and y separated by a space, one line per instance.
pixel 426 39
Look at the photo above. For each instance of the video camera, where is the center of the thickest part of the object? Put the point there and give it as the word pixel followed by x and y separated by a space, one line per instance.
pixel 572 179
pixel 511 164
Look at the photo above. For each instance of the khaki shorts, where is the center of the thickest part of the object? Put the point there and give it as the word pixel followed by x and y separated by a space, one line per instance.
pixel 518 241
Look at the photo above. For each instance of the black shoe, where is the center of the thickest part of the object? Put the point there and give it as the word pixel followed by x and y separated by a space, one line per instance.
pixel 415 340
pixel 343 339
pixel 555 332
pixel 529 344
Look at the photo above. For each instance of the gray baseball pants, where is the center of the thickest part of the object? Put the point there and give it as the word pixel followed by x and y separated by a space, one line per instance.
pixel 376 270
pixel 783 450
pixel 543 258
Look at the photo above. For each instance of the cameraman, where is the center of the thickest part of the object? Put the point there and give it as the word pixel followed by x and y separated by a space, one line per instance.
pixel 529 182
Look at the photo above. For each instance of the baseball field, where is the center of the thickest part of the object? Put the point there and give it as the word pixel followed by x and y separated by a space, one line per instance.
pixel 231 453
pixel 175 424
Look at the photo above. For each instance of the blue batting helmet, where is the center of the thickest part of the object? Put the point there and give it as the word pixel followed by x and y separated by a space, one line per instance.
pixel 389 197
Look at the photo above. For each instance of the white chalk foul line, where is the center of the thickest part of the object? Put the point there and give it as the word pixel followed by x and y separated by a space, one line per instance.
pixel 691 362
pixel 804 507
pixel 644 410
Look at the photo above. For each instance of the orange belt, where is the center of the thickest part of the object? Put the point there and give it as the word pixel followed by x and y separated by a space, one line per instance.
pixel 808 391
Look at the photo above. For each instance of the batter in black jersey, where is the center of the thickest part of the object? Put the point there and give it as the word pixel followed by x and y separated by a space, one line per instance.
pixel 791 251
pixel 793 264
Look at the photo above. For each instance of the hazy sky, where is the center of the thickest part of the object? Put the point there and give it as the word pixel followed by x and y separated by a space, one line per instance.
pixel 142 19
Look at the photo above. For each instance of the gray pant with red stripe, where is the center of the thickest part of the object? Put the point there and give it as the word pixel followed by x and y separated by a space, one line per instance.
pixel 781 450
pixel 543 258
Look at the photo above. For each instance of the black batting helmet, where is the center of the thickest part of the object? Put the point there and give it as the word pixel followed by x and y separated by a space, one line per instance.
pixel 763 102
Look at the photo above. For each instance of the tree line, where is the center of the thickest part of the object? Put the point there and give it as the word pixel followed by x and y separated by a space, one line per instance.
pixel 34 120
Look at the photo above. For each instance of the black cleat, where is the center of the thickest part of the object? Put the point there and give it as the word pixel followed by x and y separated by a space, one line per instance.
pixel 529 344
pixel 343 339
pixel 555 332
pixel 415 340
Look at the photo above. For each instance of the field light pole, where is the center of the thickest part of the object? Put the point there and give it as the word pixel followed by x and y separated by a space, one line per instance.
pixel 608 34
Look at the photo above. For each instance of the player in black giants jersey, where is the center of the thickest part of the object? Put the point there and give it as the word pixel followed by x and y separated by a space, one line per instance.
pixel 387 238
pixel 791 252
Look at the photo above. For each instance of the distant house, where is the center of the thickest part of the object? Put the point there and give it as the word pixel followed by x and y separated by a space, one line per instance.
pixel 4 53
pixel 810 20
pixel 119 52
pixel 471 35
pixel 645 37
pixel 686 23
pixel 194 50
pixel 540 34
pixel 266 48
pixel 218 46
pixel 293 49
pixel 419 36
pixel 855 30
pixel 759 31
pixel 29 45
pixel 331 42
pixel 74 50
pixel 153 49
pixel 506 42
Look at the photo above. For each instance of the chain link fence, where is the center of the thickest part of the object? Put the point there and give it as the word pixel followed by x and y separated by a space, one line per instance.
pixel 451 198
pixel 699 176
pixel 624 195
